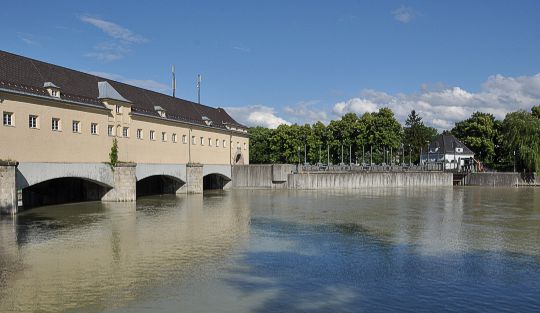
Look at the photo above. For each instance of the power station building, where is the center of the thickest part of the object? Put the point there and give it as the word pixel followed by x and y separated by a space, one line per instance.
pixel 54 115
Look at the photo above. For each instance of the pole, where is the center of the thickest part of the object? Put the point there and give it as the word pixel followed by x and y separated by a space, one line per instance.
pixel 305 155
pixel 341 153
pixel 363 155
pixel 199 80
pixel 514 161
pixel 371 156
pixel 328 155
pixel 173 82
pixel 410 156
pixel 350 154
pixel 319 154
pixel 391 158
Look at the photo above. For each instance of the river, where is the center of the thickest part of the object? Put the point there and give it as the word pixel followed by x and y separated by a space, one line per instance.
pixel 461 249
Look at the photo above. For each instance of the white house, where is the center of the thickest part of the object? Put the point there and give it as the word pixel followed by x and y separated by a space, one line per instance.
pixel 448 149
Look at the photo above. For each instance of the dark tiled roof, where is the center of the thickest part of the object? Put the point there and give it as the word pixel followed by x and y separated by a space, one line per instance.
pixel 26 75
pixel 446 144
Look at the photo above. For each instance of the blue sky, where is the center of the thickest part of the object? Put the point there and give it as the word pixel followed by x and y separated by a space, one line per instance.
pixel 299 61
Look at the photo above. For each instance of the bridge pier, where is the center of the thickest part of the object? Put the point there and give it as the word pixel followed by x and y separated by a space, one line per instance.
pixel 125 184
pixel 194 178
pixel 8 187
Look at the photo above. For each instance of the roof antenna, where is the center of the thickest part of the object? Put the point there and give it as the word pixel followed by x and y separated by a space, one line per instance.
pixel 173 83
pixel 199 80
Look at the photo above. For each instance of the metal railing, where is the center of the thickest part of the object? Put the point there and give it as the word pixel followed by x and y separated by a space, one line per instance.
pixel 429 167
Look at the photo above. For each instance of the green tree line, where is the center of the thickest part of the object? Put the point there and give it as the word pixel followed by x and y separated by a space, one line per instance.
pixel 379 137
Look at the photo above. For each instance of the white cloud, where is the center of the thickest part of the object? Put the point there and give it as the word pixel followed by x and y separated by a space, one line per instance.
pixel 256 115
pixel 28 39
pixel 114 30
pixel 119 44
pixel 443 106
pixel 304 112
pixel 143 83
pixel 404 14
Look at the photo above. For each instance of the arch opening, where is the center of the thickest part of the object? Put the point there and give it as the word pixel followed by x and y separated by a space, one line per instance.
pixel 158 185
pixel 62 190
pixel 215 181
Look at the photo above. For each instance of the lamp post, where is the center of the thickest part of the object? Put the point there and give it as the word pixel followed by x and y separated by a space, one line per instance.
pixel 410 155
pixel 514 161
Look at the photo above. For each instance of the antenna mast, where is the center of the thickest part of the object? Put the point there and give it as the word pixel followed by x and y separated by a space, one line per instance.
pixel 199 80
pixel 173 83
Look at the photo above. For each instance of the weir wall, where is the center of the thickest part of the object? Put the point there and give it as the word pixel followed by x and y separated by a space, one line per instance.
pixel 282 176
pixel 501 179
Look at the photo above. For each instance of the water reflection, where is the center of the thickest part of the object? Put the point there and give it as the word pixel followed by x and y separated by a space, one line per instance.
pixel 432 249
pixel 102 255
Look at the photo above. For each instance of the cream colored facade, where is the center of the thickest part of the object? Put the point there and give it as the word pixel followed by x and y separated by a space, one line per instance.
pixel 173 142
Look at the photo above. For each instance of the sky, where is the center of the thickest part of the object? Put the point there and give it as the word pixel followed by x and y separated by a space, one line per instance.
pixel 273 62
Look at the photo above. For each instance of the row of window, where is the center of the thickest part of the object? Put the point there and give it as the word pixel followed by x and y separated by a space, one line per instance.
pixel 33 122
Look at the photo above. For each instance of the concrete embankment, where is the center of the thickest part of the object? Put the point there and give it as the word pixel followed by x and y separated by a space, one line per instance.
pixel 282 176
pixel 501 179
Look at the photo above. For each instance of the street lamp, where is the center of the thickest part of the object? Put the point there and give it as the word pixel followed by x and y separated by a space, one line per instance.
pixel 514 161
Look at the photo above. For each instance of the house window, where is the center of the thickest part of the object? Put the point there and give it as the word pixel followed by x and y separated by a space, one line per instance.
pixel 184 139
pixel 245 146
pixel 193 140
pixel 8 119
pixel 152 135
pixel 76 126
pixel 125 132
pixel 163 136
pixel 117 109
pixel 224 144
pixel 209 142
pixel 174 137
pixel 110 130
pixel 54 93
pixel 202 141
pixel 217 142
pixel 32 121
pixel 139 134
pixel 55 124
pixel 93 129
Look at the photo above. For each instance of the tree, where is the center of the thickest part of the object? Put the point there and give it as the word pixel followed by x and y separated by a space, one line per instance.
pixel 479 133
pixel 521 133
pixel 536 111
pixel 416 134
pixel 113 155
pixel 259 150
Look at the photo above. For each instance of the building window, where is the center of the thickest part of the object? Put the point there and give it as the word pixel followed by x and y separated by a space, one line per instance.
pixel 152 135
pixel 55 124
pixel 8 119
pixel 32 121
pixel 173 137
pixel 217 142
pixel 117 109
pixel 184 139
pixel 245 146
pixel 54 93
pixel 209 142
pixel 193 140
pixel 110 130
pixel 224 144
pixel 76 126
pixel 202 141
pixel 93 129
pixel 139 134
pixel 125 132
pixel 163 136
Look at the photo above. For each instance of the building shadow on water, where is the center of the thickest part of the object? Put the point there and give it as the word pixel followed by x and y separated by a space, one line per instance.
pixel 343 268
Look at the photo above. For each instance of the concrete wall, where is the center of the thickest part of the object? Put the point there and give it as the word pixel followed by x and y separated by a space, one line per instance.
pixel 31 173
pixel 8 191
pixel 367 179
pixel 501 179
pixel 261 175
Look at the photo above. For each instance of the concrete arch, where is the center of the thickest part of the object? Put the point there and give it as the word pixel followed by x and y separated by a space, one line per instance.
pixel 30 174
pixel 224 170
pixel 215 181
pixel 176 172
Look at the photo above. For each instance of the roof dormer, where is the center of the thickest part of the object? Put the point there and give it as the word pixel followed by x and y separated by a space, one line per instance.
pixel 207 120
pixel 52 89
pixel 161 111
